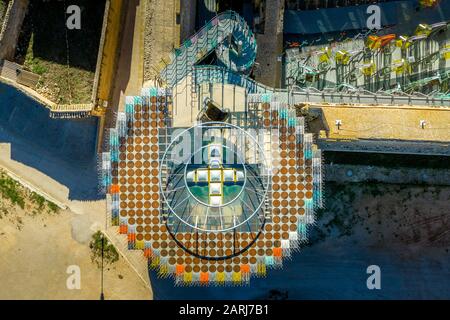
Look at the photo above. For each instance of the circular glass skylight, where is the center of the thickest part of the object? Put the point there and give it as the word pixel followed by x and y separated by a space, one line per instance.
pixel 214 178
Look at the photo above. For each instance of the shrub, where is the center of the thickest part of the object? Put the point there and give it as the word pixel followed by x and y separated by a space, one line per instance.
pixel 110 254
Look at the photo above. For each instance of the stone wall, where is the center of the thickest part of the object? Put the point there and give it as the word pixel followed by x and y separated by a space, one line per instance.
pixel 12 26
pixel 108 50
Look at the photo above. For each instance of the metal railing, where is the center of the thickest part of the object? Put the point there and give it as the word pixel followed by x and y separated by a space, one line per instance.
pixel 342 94
pixel 211 37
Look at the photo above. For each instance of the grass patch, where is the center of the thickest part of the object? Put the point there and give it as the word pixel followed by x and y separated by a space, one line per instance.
pixel 395 161
pixel 42 203
pixel 110 254
pixel 60 83
pixel 10 190
pixel 65 59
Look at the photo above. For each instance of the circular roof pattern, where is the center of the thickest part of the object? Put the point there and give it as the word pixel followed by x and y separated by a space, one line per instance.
pixel 212 186
pixel 265 175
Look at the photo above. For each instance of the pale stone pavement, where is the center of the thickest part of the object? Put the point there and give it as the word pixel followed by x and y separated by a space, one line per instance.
pixel 186 106
pixel 385 122
pixel 130 75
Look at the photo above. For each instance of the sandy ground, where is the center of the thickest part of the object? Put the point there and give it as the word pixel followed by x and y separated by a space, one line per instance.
pixel 386 214
pixel 38 248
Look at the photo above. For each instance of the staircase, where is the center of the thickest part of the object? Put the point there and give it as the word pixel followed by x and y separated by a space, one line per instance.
pixel 227 33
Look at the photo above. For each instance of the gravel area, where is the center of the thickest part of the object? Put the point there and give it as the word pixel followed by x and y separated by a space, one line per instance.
pixel 159 20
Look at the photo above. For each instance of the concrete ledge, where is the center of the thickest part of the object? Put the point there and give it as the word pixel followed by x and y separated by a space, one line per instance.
pixel 33 188
pixel 53 107
pixel 429 148
pixel 403 175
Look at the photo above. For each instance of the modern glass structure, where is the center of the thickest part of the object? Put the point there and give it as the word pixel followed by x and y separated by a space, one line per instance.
pixel 232 194
pixel 219 201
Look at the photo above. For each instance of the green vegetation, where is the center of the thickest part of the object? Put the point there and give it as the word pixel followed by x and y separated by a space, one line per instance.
pixel 42 203
pixel 372 208
pixel 10 190
pixel 16 194
pixel 110 254
pixel 35 65
pixel 396 161
pixel 65 59
pixel 39 200
pixel 339 217
pixel 60 83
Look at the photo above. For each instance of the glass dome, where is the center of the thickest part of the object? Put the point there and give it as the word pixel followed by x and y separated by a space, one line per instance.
pixel 216 180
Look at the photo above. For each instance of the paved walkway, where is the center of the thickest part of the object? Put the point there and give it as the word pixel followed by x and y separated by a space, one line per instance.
pixel 162 34
pixel 130 74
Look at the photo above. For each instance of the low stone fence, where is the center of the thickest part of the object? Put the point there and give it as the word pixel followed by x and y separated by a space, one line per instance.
pixel 362 173
pixel 15 72
pixel 25 81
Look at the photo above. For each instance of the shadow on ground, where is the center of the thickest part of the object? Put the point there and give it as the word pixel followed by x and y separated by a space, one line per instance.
pixel 391 226
pixel 83 44
pixel 62 149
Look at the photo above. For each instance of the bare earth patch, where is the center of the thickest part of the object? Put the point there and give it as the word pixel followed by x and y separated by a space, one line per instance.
pixel 61 84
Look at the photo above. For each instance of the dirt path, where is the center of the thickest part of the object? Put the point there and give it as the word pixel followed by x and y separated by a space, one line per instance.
pixel 129 79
